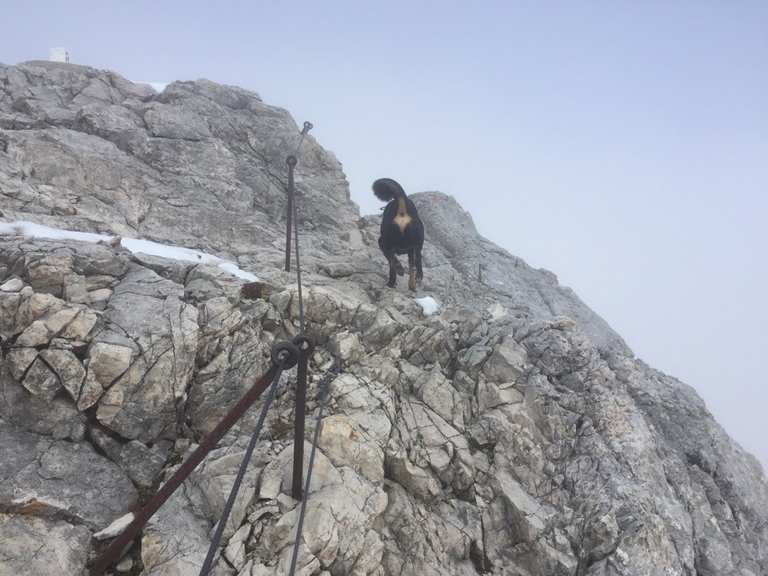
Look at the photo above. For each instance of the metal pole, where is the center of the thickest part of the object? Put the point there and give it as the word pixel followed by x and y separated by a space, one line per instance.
pixel 291 161
pixel 298 429
pixel 324 387
pixel 305 346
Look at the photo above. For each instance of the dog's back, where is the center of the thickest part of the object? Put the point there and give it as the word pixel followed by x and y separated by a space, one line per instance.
pixel 402 230
pixel 401 227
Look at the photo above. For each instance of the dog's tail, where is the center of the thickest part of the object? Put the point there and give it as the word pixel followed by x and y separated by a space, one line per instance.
pixel 387 189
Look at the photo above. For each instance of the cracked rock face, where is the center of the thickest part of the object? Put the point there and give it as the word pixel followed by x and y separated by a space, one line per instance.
pixel 32 545
pixel 512 433
pixel 43 476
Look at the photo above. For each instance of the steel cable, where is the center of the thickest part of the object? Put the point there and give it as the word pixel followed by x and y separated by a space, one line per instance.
pixel 324 387
pixel 216 540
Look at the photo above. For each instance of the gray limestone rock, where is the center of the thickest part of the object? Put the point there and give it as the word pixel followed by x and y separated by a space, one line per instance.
pixel 511 433
pixel 41 381
pixel 107 362
pixel 67 368
pixel 12 285
pixel 31 546
pixel 19 360
pixel 41 476
pixel 142 464
pixel 175 540
pixel 148 316
pixel 57 417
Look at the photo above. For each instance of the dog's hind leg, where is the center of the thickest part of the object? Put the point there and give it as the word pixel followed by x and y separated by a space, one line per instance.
pixel 393 264
pixel 398 267
pixel 412 269
pixel 419 271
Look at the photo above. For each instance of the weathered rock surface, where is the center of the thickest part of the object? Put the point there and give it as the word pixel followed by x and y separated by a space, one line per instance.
pixel 30 546
pixel 200 164
pixel 43 476
pixel 513 433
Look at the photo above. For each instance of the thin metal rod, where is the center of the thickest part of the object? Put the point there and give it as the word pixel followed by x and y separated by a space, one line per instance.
pixel 115 549
pixel 298 266
pixel 216 540
pixel 291 161
pixel 324 388
pixel 298 431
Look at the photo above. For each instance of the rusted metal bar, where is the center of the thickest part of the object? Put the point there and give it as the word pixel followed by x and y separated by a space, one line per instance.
pixel 324 389
pixel 298 431
pixel 305 346
pixel 114 551
pixel 291 161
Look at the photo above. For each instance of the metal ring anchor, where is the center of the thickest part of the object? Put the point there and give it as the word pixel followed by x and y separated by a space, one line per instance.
pixel 304 343
pixel 285 355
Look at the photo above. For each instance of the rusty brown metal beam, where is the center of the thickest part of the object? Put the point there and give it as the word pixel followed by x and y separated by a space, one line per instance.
pixel 291 161
pixel 115 550
pixel 298 431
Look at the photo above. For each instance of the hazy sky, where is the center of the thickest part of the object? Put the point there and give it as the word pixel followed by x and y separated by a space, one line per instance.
pixel 622 145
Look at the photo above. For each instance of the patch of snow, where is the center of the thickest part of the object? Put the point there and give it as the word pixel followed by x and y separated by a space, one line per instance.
pixel 156 86
pixel 496 311
pixel 231 268
pixel 32 230
pixel 116 528
pixel 12 285
pixel 151 248
pixel 135 245
pixel 429 305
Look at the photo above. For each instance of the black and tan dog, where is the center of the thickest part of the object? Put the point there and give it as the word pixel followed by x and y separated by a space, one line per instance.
pixel 402 231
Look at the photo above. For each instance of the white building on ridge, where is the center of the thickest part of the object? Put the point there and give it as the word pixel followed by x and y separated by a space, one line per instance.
pixel 58 55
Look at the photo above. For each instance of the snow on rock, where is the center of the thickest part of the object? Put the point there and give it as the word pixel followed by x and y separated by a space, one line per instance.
pixel 156 86
pixel 32 230
pixel 186 254
pixel 232 268
pixel 429 305
pixel 135 245
pixel 496 311
pixel 116 528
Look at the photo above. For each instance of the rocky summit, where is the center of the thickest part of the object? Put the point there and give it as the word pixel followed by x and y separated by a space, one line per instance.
pixel 502 429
